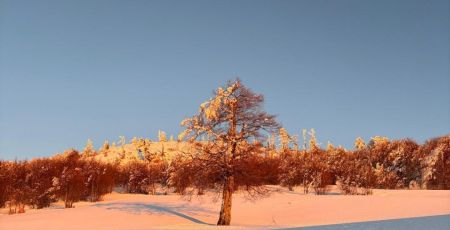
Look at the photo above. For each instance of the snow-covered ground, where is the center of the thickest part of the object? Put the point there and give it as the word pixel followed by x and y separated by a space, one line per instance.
pixel 283 209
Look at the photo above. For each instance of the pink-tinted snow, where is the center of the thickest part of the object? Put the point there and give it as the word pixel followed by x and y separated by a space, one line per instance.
pixel 281 209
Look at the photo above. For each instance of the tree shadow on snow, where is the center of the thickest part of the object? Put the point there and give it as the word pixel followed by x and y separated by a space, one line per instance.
pixel 157 209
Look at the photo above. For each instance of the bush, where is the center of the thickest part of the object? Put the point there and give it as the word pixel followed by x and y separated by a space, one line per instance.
pixel 436 163
pixel 357 175
pixel 99 179
pixel 68 185
pixel 41 173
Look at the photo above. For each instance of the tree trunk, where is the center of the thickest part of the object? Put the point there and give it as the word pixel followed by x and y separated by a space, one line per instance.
pixel 92 193
pixel 227 198
pixel 21 208
pixel 66 199
pixel 291 188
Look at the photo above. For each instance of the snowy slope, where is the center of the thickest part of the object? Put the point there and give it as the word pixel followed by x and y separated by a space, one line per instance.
pixel 282 209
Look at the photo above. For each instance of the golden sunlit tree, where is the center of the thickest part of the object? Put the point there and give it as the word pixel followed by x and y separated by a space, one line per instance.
pixel 162 136
pixel 359 143
pixel 226 132
pixel 313 145
pixel 289 159
pixel 285 139
pixel 304 139
pixel 89 150
pixel 104 149
pixel 330 147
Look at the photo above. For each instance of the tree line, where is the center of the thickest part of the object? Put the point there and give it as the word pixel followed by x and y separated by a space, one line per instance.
pixel 233 145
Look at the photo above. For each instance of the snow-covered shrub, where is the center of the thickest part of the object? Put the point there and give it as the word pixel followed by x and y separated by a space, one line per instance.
pixel 269 169
pixel 180 177
pixel 143 176
pixel 41 173
pixel 18 189
pixel 69 185
pixel 136 177
pixel 356 175
pixel 5 183
pixel 290 174
pixel 99 179
pixel 436 164
pixel 397 162
pixel 306 168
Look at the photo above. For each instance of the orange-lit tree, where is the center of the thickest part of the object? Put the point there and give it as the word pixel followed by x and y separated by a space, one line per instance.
pixel 226 133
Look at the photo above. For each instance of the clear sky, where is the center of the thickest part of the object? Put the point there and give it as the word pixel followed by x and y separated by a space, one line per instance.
pixel 73 70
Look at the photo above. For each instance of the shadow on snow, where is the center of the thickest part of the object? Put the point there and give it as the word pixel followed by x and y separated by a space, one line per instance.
pixel 440 222
pixel 137 208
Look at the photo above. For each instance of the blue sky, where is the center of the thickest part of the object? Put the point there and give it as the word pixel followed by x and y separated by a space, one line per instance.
pixel 73 70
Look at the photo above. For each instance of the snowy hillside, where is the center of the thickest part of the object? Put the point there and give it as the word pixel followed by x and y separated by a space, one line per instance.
pixel 281 210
